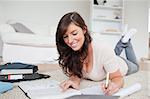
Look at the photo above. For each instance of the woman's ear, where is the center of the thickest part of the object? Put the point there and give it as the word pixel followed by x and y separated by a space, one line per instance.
pixel 85 30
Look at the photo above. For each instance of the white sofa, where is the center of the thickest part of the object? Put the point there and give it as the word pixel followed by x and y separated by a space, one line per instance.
pixel 36 47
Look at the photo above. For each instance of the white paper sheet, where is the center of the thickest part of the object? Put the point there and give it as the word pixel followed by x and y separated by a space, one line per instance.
pixel 51 89
pixel 129 90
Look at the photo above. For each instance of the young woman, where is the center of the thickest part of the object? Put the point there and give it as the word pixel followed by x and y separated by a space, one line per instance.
pixel 82 56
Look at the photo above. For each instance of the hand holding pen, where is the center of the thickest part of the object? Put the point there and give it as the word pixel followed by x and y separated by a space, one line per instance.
pixel 109 87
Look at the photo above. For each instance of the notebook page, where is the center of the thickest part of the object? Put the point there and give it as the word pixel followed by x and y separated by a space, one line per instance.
pixel 47 89
pixel 129 90
pixel 33 85
pixel 96 90
pixel 52 93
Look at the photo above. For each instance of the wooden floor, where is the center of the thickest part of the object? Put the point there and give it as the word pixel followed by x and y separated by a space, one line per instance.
pixel 48 67
pixel 144 65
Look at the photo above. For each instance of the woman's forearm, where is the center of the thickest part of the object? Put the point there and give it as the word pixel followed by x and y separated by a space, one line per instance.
pixel 117 78
pixel 119 81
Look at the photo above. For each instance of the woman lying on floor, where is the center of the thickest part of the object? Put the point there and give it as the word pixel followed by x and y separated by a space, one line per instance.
pixel 83 57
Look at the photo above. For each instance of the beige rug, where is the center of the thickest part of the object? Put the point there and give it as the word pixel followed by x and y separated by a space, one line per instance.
pixel 141 77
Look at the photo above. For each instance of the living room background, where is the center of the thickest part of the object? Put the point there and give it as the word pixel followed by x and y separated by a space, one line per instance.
pixel 50 11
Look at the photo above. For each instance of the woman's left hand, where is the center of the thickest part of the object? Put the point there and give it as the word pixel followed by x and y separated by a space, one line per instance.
pixel 111 89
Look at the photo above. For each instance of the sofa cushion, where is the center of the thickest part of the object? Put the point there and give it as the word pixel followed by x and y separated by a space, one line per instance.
pixel 19 27
pixel 6 28
pixel 28 39
pixel 37 28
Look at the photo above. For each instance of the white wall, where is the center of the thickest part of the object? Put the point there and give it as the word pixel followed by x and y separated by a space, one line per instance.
pixel 47 11
pixel 149 21
pixel 1 13
pixel 136 15
pixel 1 21
pixel 149 18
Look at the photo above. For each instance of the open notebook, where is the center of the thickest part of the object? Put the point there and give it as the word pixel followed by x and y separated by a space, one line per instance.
pixel 49 89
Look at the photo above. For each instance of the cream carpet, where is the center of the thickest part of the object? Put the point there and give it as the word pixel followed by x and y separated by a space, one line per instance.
pixel 141 77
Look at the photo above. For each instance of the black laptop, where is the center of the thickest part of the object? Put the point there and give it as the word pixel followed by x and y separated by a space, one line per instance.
pixel 92 97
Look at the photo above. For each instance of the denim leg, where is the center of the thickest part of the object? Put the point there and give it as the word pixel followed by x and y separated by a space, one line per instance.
pixel 131 61
pixel 119 47
pixel 130 55
pixel 132 68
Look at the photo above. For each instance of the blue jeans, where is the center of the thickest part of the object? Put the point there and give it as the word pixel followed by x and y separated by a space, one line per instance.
pixel 130 56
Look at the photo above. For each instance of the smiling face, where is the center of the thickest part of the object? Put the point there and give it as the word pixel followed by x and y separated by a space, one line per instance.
pixel 74 37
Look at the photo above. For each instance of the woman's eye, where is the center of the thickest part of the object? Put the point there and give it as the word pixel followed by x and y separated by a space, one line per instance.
pixel 75 33
pixel 65 36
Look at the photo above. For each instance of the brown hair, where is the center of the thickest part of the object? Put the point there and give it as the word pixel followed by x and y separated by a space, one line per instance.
pixel 71 61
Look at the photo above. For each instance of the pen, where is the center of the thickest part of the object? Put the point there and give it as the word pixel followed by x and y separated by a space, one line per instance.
pixel 24 92
pixel 107 80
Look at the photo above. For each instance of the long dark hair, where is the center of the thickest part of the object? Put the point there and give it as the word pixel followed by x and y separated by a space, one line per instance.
pixel 71 61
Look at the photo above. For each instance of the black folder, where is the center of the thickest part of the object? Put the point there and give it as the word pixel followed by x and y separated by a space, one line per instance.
pixel 22 77
pixel 92 97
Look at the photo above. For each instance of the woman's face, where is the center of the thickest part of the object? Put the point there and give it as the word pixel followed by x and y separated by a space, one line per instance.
pixel 74 37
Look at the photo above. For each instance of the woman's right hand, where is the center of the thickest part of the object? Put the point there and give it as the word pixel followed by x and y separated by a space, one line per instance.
pixel 73 82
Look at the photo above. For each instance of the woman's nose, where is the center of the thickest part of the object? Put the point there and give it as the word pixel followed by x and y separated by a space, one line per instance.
pixel 70 39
